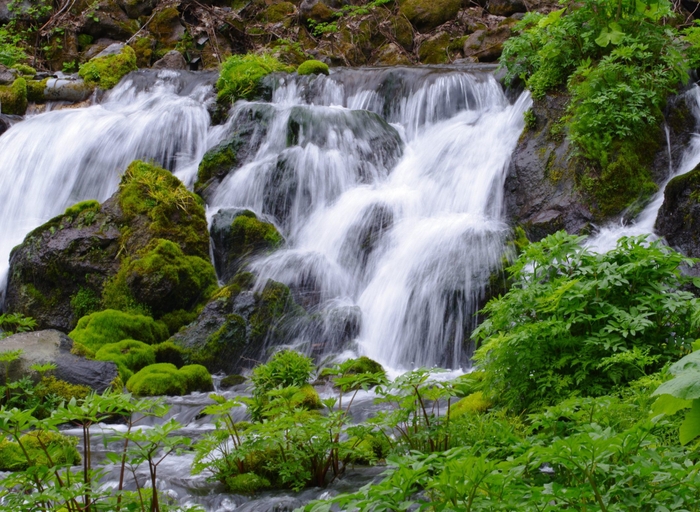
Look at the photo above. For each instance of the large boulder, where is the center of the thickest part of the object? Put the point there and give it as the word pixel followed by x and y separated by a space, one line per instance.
pixel 679 216
pixel 105 18
pixel 51 346
pixel 144 249
pixel 425 15
pixel 486 45
pixel 7 75
pixel 134 9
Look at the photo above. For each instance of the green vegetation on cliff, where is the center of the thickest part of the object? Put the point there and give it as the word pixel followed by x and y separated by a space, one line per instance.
pixel 106 72
pixel 111 326
pixel 619 61
pixel 241 74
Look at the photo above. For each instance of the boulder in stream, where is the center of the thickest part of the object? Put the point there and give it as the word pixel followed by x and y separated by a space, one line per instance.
pixel 678 220
pixel 52 346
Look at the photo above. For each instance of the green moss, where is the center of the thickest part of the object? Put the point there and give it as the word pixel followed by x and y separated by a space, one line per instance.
pixel 166 280
pixel 307 398
pixel 241 74
pixel 129 355
pixel 61 450
pixel 162 23
pixel 475 403
pixel 110 326
pixel 84 302
pixel 356 451
pixel 84 40
pixel 274 300
pixel 165 379
pixel 117 295
pixel 313 67
pixel 176 320
pixel 13 98
pixel 81 350
pixel 168 352
pixel 249 234
pixel 246 483
pixel 277 12
pixel 25 70
pixel 76 209
pixel 143 48
pixel 106 72
pixel 435 49
pixel 35 90
pixel 175 213
pixel 65 390
pixel 219 160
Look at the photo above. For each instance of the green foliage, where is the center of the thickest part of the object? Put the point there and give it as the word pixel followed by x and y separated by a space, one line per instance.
pixel 286 368
pixel 530 120
pixel 129 355
pixel 42 447
pixel 84 302
pixel 619 60
pixel 474 403
pixel 106 72
pixel 10 51
pixel 241 74
pixel 312 67
pixel 78 208
pixel 13 98
pixel 579 322
pixel 111 326
pixel 165 379
pixel 168 352
pixel 50 386
pixel 246 483
pixel 359 372
pixel 12 323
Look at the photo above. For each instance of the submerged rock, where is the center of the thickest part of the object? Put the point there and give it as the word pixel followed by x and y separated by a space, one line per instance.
pixel 55 347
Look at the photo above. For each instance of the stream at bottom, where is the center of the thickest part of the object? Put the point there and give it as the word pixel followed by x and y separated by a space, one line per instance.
pixel 179 486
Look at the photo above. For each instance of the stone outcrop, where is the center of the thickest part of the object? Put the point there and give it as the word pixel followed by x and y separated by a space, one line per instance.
pixel 679 217
pixel 51 346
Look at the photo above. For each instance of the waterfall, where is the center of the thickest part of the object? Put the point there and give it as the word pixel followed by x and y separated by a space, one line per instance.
pixel 386 184
pixel 58 158
pixel 401 221
pixel 607 237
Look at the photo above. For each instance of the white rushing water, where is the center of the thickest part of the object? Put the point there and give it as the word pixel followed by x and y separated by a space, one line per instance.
pixel 409 236
pixel 55 159
pixel 644 223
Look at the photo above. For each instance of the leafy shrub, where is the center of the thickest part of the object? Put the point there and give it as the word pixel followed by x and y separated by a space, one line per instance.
pixel 51 386
pixel 106 72
pixel 286 368
pixel 165 379
pixel 246 483
pixel 313 67
pixel 579 322
pixel 43 448
pixel 241 74
pixel 10 51
pixel 12 323
pixel 111 326
pixel 619 61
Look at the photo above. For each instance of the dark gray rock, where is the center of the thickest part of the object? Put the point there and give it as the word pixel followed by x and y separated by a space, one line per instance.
pixel 5 123
pixel 171 60
pixel 51 346
pixel 58 259
pixel 137 8
pixel 486 45
pixel 506 7
pixel 106 19
pixel 73 91
pixel 272 504
pixel 679 216
pixel 7 75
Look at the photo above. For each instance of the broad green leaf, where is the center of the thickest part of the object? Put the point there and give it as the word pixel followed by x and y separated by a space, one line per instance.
pixel 669 404
pixel 690 428
pixel 685 386
pixel 687 363
pixel 552 17
pixel 611 34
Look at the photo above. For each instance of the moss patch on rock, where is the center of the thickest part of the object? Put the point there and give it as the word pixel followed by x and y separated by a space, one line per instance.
pixel 165 379
pixel 35 90
pixel 13 98
pixel 111 326
pixel 106 72
pixel 425 15
pixel 241 74
pixel 313 67
pixel 476 403
pixel 217 161
pixel 129 355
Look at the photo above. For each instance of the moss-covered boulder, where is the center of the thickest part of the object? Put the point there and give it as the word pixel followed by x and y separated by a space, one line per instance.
pixel 166 379
pixel 425 15
pixel 106 71
pixel 435 49
pixel 313 67
pixel 486 45
pixel 13 98
pixel 33 451
pixel 475 403
pixel 104 19
pixel 241 74
pixel 144 250
pixel 165 25
pixel 238 235
pixel 238 323
pixel 110 326
pixel 129 355
pixel 678 220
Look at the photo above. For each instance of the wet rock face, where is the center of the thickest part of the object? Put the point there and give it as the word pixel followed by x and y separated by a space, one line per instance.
pixel 71 252
pixel 679 217
pixel 540 189
pixel 541 192
pixel 55 347
pixel 5 123
pixel 426 14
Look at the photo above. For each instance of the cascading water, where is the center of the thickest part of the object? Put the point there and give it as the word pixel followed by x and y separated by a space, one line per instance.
pixel 400 221
pixel 53 160
pixel 607 238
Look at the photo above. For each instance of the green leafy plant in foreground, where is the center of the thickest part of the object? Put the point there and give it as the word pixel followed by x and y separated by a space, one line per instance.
pixel 578 322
